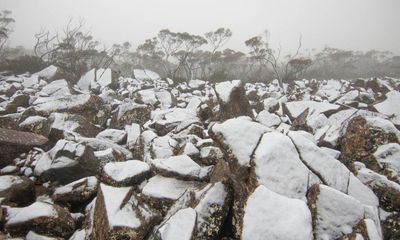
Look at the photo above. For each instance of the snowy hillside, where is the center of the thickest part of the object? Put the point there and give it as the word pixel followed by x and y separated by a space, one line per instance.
pixel 147 158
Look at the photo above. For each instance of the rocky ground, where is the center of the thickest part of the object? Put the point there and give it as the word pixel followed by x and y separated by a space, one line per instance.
pixel 145 158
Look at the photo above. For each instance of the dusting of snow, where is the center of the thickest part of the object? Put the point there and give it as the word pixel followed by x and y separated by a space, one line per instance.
pixel 266 217
pixel 180 226
pixel 120 171
pixel 224 89
pixel 241 135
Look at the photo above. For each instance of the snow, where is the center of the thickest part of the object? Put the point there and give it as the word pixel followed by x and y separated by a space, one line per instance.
pixel 373 179
pixel 266 217
pixel 359 191
pixel 148 96
pixel 119 215
pixel 133 133
pixel 181 165
pixel 268 119
pixel 332 171
pixel 113 135
pixel 207 151
pixel 63 121
pixel 8 170
pixel 385 125
pixel 297 107
pixel 89 183
pixel 390 105
pixel 196 83
pixel 348 97
pixel 224 89
pixel 212 199
pixel 163 147
pixel 99 145
pixel 332 152
pixel 278 167
pixel 144 74
pixel 60 104
pixel 32 120
pixel 31 81
pixel 7 181
pixel 104 76
pixel 119 171
pixel 180 226
pixel 87 81
pixel 190 149
pixel 372 231
pixel 47 73
pixel 56 88
pixel 337 213
pixel 166 188
pixel 33 211
pixel 165 98
pixel 388 155
pixel 34 236
pixel 241 135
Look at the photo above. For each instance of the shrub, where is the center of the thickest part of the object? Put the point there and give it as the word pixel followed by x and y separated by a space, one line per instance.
pixel 22 64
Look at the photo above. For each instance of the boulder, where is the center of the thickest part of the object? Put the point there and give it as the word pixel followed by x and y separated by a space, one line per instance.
pixel 90 107
pixel 212 209
pixel 124 174
pixel 233 101
pixel 13 143
pixel 210 155
pixel 266 217
pixel 77 192
pixel 161 192
pixel 114 135
pixel 61 123
pixel 15 190
pixel 35 124
pixel 67 161
pixel 41 217
pixel 128 113
pixel 361 139
pixel 181 167
pixel 331 171
pixel 119 214
pixel 57 88
pixel 180 226
pixel 334 214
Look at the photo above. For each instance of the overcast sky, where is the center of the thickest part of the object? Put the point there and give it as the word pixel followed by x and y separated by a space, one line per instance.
pixel 348 24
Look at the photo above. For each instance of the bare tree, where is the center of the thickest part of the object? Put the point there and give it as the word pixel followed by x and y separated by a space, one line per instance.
pixel 5 28
pixel 218 38
pixel 190 43
pixel 71 49
pixel 283 69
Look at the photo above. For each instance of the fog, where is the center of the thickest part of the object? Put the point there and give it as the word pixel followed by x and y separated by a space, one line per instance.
pixel 346 24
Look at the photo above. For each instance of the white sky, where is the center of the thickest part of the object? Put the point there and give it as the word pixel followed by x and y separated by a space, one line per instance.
pixel 348 24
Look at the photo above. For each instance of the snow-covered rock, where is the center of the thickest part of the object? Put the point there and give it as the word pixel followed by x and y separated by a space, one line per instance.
pixel 265 217
pixel 41 217
pixel 181 167
pixel 127 173
pixel 334 213
pixel 118 214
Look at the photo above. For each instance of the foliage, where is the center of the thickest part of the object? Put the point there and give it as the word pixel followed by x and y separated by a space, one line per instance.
pixel 23 64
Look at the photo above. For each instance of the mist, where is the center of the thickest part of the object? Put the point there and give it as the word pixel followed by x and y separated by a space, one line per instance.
pixel 354 25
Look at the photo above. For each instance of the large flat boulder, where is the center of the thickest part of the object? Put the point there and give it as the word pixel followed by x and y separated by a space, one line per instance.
pixel 13 143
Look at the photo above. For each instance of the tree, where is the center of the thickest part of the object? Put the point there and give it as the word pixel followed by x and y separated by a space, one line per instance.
pixel 5 28
pixel 190 43
pixel 283 69
pixel 218 38
pixel 72 49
